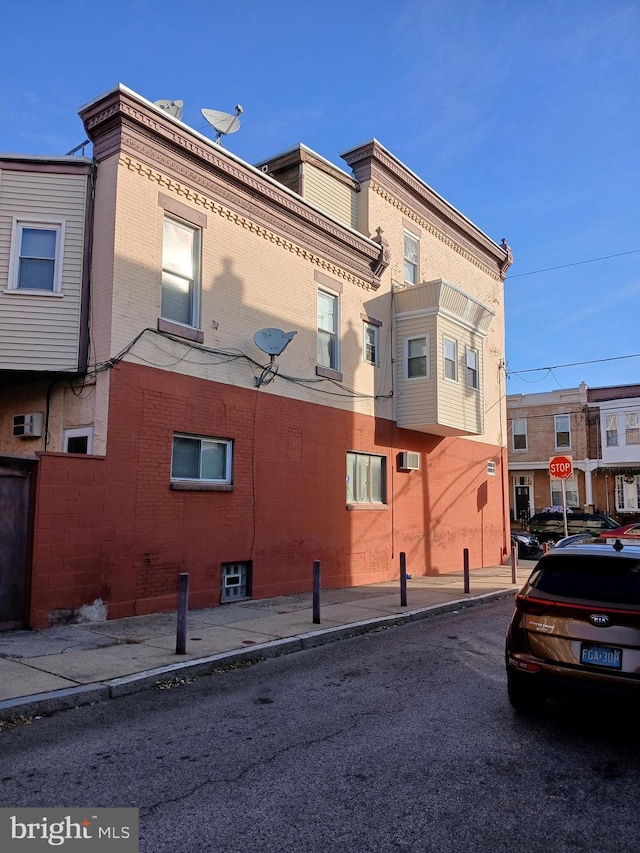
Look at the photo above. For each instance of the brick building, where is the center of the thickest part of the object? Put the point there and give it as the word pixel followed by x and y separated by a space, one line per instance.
pixel 203 435
pixel 598 427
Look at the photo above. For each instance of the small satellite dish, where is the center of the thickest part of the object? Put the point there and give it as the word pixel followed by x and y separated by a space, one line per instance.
pixel 272 341
pixel 174 108
pixel 223 123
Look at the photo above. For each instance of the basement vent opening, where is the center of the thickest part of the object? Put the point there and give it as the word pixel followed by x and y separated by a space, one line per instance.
pixel 236 582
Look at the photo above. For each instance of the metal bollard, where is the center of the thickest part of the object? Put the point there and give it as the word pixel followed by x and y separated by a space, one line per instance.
pixel 465 569
pixel 316 592
pixel 403 579
pixel 183 607
pixel 514 564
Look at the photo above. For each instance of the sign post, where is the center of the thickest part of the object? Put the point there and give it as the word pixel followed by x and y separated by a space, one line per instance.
pixel 561 468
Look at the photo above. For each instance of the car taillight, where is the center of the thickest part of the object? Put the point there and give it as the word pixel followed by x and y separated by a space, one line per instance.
pixel 523 664
pixel 538 606
pixel 534 606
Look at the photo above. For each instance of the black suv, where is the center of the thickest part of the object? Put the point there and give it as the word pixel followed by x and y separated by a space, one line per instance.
pixel 549 526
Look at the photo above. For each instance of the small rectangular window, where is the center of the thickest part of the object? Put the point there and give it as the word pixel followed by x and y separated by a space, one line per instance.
pixel 571 491
pixel 632 428
pixel 328 330
pixel 180 273
pixel 201 459
pixel 411 258
pixel 472 368
pixel 366 478
pixel 370 343
pixel 491 468
pixel 416 358
pixel 450 350
pixel 562 430
pixel 519 433
pixel 78 440
pixel 612 430
pixel 36 256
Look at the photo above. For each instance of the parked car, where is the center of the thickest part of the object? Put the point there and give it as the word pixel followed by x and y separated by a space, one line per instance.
pixel 630 530
pixel 575 630
pixel 548 526
pixel 528 545
pixel 574 539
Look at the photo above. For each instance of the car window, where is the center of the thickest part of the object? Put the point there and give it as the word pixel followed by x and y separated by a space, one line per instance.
pixel 589 576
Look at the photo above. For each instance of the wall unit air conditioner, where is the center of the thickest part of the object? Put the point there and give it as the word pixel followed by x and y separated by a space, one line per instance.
pixel 409 461
pixel 28 426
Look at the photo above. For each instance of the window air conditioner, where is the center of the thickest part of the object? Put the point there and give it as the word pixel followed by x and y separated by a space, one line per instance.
pixel 409 461
pixel 28 426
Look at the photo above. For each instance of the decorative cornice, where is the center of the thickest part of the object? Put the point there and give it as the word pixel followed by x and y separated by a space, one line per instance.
pixel 398 185
pixel 177 159
pixel 249 223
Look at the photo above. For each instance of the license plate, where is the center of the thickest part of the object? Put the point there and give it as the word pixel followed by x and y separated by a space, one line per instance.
pixel 602 656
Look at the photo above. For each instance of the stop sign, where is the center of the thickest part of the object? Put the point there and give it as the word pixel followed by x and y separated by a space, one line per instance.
pixel 561 467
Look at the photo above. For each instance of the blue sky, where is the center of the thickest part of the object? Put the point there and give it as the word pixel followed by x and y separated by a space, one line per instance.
pixel 521 113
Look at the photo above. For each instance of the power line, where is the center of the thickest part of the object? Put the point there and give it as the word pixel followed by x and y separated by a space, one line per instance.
pixel 572 364
pixel 576 264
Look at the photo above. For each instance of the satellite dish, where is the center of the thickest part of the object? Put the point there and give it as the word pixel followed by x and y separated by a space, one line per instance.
pixel 223 123
pixel 272 341
pixel 174 108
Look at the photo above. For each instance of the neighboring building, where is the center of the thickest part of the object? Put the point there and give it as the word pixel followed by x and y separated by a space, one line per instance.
pixel 598 427
pixel 191 445
pixel 615 436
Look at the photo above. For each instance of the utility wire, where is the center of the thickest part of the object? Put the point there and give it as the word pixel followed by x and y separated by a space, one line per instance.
pixel 576 264
pixel 572 364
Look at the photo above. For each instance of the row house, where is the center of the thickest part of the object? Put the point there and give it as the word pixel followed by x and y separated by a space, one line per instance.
pixel 233 370
pixel 598 427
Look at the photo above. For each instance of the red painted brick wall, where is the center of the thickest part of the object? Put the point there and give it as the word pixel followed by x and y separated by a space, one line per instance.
pixel 126 535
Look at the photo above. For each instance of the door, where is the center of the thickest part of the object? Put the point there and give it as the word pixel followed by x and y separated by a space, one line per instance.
pixel 15 522
pixel 523 503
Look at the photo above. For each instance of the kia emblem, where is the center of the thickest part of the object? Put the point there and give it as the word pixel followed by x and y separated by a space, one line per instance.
pixel 600 620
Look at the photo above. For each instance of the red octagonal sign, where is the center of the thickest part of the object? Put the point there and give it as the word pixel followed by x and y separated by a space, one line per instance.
pixel 561 467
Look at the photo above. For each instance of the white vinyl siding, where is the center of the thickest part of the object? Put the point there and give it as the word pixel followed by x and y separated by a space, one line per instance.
pixel 417 403
pixel 41 332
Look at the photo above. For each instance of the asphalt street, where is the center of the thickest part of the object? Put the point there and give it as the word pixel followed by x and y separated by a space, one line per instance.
pixel 397 740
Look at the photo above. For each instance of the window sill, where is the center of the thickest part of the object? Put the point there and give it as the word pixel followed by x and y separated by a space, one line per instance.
pixel 366 507
pixel 328 373
pixel 28 291
pixel 180 331
pixel 195 486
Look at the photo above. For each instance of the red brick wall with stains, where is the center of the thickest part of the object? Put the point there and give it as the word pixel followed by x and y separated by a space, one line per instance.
pixel 112 528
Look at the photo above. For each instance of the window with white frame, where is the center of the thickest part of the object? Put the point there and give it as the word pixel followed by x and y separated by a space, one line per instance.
pixel 472 368
pixel 571 491
pixel 519 433
pixel 562 431
pixel 450 352
pixel 366 478
pixel 328 305
pixel 611 422
pixel 411 257
pixel 78 440
pixel 632 428
pixel 416 357
pixel 180 272
pixel 627 493
pixel 201 459
pixel 36 256
pixel 370 343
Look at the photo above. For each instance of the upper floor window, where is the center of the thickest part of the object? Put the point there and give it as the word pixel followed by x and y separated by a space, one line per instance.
pixel 411 256
pixel 416 357
pixel 450 351
pixel 519 433
pixel 612 430
pixel 370 343
pixel 632 428
pixel 472 368
pixel 36 256
pixel 365 478
pixel 201 459
pixel 328 355
pixel 180 272
pixel 562 431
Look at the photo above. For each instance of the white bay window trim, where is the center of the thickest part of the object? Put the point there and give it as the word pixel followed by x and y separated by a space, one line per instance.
pixel 36 254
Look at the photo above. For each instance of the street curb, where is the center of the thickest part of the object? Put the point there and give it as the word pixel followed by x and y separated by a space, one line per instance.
pixel 73 697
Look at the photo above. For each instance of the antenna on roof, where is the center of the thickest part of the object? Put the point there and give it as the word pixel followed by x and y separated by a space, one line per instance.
pixel 223 123
pixel 174 108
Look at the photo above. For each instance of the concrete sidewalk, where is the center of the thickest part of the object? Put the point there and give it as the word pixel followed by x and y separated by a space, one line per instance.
pixel 46 671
